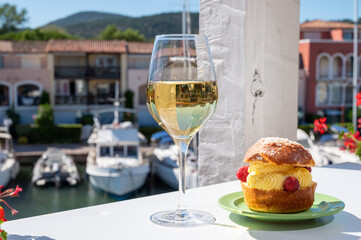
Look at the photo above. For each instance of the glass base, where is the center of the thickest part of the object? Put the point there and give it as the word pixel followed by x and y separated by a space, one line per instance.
pixel 182 218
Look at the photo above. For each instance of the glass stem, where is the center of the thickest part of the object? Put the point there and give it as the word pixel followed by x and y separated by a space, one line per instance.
pixel 182 151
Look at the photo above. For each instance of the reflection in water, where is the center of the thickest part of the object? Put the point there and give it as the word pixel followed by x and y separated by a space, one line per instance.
pixel 35 201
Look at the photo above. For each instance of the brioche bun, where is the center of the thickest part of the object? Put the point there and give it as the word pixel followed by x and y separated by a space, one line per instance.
pixel 279 151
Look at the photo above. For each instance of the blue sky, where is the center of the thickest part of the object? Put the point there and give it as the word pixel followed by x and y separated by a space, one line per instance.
pixel 41 12
pixel 327 9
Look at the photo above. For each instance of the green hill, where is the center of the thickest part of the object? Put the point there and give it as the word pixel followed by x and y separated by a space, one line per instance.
pixel 83 17
pixel 90 24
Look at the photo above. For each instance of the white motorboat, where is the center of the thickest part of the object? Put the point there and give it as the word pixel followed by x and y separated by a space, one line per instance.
pixel 165 164
pixel 115 164
pixel 318 156
pixel 326 153
pixel 9 167
pixel 55 168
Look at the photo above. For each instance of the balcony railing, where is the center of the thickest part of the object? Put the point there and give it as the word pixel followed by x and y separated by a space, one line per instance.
pixel 70 72
pixel 103 72
pixel 90 72
pixel 65 100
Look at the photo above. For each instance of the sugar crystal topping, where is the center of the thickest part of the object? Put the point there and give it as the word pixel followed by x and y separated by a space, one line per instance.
pixel 277 145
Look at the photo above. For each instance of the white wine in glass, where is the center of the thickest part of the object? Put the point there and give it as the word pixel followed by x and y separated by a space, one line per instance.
pixel 181 96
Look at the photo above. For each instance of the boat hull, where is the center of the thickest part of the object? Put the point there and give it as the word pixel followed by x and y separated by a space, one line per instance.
pixel 170 176
pixel 117 181
pixel 8 171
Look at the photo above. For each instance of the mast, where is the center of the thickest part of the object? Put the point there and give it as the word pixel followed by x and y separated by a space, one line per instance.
pixel 186 18
pixel 355 38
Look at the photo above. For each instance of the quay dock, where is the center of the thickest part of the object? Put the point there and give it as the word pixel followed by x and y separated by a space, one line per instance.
pixel 28 154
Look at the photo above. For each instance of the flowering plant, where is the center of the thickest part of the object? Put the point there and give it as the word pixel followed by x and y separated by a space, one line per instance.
pixel 11 192
pixel 352 138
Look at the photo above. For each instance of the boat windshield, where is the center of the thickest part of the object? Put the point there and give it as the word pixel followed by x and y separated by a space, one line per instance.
pixel 132 151
pixel 304 143
pixel 119 151
pixel 104 151
pixel 3 144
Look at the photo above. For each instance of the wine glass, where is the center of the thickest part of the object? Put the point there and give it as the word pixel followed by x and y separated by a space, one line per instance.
pixel 181 96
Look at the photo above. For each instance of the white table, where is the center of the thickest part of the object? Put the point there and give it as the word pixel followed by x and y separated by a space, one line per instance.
pixel 130 219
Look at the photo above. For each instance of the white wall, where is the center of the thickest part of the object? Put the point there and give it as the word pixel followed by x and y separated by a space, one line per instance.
pixel 245 36
pixel 136 79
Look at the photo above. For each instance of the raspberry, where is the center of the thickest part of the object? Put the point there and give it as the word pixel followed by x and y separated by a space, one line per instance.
pixel 309 169
pixel 291 184
pixel 242 173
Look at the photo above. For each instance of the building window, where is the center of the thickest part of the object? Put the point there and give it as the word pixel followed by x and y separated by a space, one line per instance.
pixel 322 93
pixel 142 94
pixel 323 67
pixel 80 87
pixel 70 91
pixel 28 95
pixel 103 62
pixel 347 35
pixel 1 61
pixel 336 97
pixel 349 94
pixel 101 91
pixel 337 67
pixel 62 87
pixel 4 95
pixel 349 67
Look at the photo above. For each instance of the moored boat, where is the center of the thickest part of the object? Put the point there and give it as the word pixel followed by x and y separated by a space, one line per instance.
pixel 55 168
pixel 115 164
pixel 165 163
pixel 9 167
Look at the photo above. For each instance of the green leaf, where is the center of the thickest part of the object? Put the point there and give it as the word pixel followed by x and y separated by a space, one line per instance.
pixel 4 235
pixel 340 135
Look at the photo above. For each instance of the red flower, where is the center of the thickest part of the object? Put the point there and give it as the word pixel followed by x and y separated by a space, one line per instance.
pixel 358 98
pixel 320 125
pixel 2 214
pixel 16 192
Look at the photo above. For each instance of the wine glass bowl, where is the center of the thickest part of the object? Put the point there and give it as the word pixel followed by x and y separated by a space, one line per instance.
pixel 181 96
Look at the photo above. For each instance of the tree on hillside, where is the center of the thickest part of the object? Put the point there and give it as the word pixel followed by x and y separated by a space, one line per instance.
pixel 132 35
pixel 111 32
pixel 10 18
pixel 36 34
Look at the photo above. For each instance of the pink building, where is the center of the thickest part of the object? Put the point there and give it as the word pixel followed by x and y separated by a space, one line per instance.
pixel 80 75
pixel 326 50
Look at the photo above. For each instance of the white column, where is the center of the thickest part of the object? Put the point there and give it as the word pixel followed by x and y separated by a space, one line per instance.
pixel 254 45
pixel 50 66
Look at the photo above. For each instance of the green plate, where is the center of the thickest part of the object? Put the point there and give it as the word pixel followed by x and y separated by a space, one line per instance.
pixel 324 205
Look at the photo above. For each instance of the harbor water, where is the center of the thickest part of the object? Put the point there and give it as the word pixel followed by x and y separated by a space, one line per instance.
pixel 35 201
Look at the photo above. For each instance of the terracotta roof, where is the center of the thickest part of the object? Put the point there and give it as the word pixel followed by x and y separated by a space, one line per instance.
pixel 29 46
pixel 94 46
pixel 140 47
pixel 76 46
pixel 5 46
pixel 326 24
